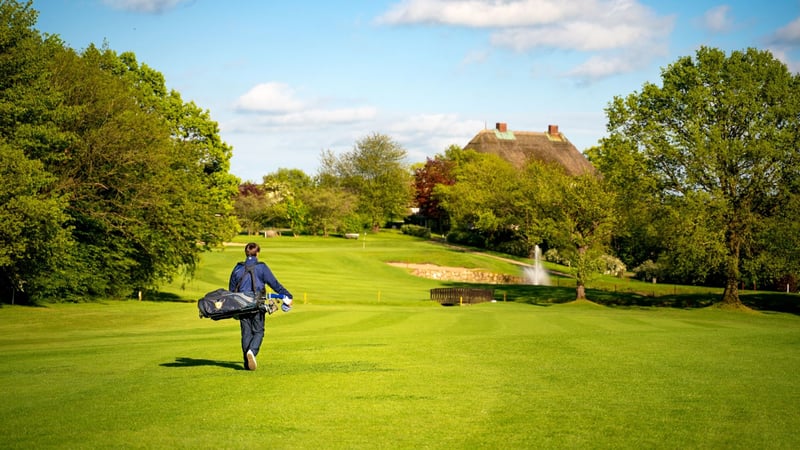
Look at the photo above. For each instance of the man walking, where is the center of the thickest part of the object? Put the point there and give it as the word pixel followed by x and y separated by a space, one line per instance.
pixel 252 276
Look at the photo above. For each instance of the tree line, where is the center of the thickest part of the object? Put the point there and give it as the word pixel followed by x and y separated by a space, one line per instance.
pixel 113 183
pixel 363 189
pixel 697 182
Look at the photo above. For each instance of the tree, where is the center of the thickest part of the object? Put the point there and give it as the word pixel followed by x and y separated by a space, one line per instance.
pixel 131 190
pixel 721 129
pixel 575 214
pixel 137 179
pixel 775 260
pixel 436 171
pixel 486 202
pixel 680 233
pixel 34 230
pixel 328 209
pixel 285 187
pixel 249 207
pixel 289 181
pixel 376 173
pixel 276 202
pixel 639 234
pixel 32 227
pixel 199 155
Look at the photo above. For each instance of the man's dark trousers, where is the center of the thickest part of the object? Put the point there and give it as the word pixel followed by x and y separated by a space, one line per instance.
pixel 252 326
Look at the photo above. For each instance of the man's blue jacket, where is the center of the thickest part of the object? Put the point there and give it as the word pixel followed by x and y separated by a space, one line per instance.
pixel 263 276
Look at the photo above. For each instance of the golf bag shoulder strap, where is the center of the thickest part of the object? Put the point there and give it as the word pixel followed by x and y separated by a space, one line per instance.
pixel 247 270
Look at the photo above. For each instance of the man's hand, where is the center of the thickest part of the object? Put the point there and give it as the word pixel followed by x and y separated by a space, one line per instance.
pixel 286 303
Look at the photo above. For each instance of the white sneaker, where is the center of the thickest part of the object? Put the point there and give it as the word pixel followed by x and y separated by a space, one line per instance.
pixel 251 360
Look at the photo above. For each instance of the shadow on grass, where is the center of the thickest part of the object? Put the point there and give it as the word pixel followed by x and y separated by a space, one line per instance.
pixel 158 296
pixel 551 295
pixel 757 300
pixel 772 301
pixel 193 362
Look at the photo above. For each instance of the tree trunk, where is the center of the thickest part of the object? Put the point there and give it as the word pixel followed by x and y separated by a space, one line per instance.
pixel 730 296
pixel 580 292
pixel 580 273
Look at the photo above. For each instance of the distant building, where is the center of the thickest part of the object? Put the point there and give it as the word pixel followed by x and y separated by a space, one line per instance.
pixel 518 147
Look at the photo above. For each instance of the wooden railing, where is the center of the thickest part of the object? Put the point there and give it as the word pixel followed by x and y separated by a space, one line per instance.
pixel 461 296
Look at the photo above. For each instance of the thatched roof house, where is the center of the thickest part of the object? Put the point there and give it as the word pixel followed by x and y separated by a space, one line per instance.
pixel 517 147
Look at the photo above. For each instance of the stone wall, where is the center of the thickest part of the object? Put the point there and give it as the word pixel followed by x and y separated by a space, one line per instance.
pixel 462 274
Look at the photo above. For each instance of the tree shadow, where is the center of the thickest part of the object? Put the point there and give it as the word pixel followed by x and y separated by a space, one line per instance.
pixel 759 301
pixel 634 299
pixel 772 301
pixel 552 295
pixel 524 293
pixel 194 362
pixel 158 296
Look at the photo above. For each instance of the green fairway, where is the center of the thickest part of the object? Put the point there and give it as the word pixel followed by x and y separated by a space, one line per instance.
pixel 352 368
pixel 325 270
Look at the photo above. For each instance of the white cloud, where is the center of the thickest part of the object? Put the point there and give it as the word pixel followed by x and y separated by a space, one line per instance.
pixel 425 135
pixel 785 42
pixel 717 19
pixel 479 13
pixel 577 35
pixel 145 6
pixel 598 67
pixel 269 97
pixel 312 119
pixel 788 35
pixel 318 117
pixel 617 35
pixel 275 105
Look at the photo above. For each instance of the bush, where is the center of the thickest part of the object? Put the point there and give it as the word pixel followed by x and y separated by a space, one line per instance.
pixel 517 247
pixel 416 230
pixel 647 271
pixel 553 256
pixel 613 266
pixel 352 224
pixel 466 238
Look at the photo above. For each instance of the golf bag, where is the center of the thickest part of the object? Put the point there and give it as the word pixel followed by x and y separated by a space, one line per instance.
pixel 224 304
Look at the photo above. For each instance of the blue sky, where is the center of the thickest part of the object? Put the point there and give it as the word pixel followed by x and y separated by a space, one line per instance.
pixel 288 79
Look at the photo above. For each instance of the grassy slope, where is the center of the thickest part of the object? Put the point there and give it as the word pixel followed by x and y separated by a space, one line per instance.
pixel 324 270
pixel 346 371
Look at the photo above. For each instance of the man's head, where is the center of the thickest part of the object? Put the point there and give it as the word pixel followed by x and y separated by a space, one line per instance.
pixel 251 249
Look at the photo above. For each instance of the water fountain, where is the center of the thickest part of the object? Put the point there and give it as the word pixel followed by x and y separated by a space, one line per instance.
pixel 536 274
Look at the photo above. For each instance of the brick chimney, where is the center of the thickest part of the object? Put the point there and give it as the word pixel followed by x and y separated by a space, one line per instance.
pixel 502 127
pixel 552 130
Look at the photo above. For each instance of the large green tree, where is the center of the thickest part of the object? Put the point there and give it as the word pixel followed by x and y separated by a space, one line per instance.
pixel 128 199
pixel 32 226
pixel 198 153
pixel 286 187
pixel 637 236
pixel 136 179
pixel 376 173
pixel 719 140
pixel 34 235
pixel 574 214
pixel 327 209
pixel 486 204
